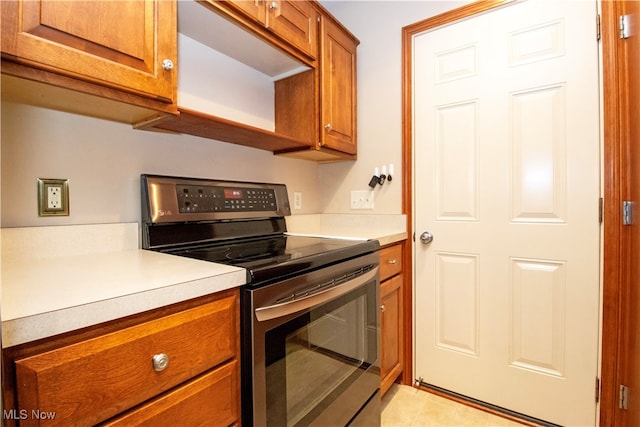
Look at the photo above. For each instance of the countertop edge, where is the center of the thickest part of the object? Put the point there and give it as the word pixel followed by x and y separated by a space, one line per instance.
pixel 48 324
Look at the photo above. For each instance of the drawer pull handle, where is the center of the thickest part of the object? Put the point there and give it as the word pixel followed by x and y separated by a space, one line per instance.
pixel 393 261
pixel 160 362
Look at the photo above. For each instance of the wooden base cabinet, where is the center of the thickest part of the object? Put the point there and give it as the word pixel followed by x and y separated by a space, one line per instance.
pixel 391 325
pixel 183 406
pixel 182 366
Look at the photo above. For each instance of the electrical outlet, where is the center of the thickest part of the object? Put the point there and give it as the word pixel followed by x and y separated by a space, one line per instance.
pixel 53 197
pixel 362 199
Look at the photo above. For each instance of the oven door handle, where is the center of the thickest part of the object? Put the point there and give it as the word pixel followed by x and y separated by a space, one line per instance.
pixel 290 307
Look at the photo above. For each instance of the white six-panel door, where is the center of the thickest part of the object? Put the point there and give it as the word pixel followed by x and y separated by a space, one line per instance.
pixel 507 173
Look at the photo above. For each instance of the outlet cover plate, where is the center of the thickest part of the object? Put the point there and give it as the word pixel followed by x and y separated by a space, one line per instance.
pixel 361 199
pixel 297 200
pixel 61 189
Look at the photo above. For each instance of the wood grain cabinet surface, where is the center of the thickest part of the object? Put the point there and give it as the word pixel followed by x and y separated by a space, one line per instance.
pixel 338 89
pixel 319 106
pixel 391 324
pixel 116 44
pixel 294 21
pixel 182 366
pixel 117 60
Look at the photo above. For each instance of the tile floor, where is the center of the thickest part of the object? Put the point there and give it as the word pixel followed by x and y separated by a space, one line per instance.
pixel 405 406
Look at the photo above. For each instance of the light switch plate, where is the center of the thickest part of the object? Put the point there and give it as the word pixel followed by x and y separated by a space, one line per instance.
pixel 361 199
pixel 53 197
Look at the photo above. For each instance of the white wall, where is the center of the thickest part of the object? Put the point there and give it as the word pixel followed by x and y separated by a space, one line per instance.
pixel 103 160
pixel 378 25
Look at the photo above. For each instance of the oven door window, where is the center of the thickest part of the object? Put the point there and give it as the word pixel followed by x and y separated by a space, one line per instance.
pixel 314 358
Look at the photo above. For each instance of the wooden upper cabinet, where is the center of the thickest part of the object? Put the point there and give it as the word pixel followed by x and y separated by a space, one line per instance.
pixel 252 8
pixel 118 44
pixel 294 21
pixel 297 22
pixel 338 88
pixel 319 106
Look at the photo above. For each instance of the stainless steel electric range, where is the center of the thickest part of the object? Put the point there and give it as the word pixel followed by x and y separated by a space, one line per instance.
pixel 309 310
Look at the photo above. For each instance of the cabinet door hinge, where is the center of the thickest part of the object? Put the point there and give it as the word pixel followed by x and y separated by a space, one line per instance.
pixel 624 27
pixel 624 397
pixel 627 212
pixel 598 27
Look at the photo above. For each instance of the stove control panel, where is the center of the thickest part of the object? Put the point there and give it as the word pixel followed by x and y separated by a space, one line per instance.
pixel 167 199
pixel 202 198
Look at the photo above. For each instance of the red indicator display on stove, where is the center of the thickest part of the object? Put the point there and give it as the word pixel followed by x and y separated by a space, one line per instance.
pixel 232 193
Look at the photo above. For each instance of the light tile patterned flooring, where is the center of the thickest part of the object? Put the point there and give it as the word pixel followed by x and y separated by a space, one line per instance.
pixel 405 406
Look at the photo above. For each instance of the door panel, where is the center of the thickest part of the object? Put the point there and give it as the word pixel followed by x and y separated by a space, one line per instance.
pixel 506 149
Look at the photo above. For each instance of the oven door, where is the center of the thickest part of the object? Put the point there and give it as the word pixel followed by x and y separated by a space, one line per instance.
pixel 314 357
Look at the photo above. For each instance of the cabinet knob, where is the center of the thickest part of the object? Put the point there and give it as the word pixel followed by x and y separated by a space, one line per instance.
pixel 392 261
pixel 167 65
pixel 382 307
pixel 327 126
pixel 160 362
pixel 273 5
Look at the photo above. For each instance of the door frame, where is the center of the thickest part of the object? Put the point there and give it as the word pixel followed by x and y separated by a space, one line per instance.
pixel 620 305
pixel 614 262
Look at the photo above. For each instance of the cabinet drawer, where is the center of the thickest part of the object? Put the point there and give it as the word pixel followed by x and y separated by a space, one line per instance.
pixel 390 261
pixel 90 381
pixel 210 400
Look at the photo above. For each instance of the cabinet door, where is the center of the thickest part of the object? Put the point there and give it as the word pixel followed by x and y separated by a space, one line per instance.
pixel 254 9
pixel 119 44
pixel 338 88
pixel 296 22
pixel 391 331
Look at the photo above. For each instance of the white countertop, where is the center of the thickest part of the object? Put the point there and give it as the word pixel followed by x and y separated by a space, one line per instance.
pixel 47 291
pixel 58 279
pixel 387 229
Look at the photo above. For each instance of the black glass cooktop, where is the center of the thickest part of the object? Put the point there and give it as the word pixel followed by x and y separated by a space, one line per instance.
pixel 268 259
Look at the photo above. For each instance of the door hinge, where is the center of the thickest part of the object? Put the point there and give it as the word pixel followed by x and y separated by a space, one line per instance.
pixel 597 389
pixel 627 212
pixel 624 397
pixel 598 27
pixel 624 27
